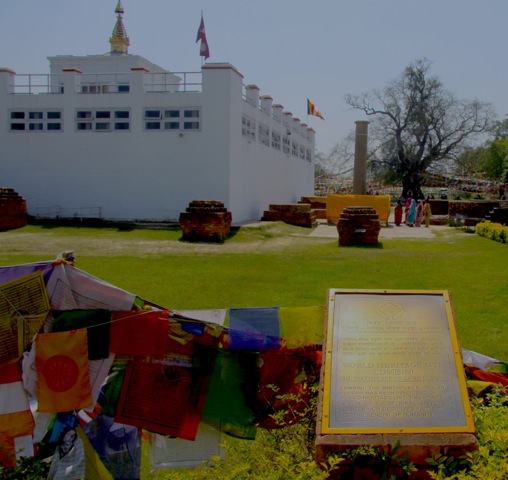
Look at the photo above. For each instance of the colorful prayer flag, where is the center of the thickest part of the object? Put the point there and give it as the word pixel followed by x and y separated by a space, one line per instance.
pixel 97 323
pixel 254 328
pixel 204 50
pixel 118 446
pixel 94 468
pixel 62 366
pixel 135 333
pixel 312 110
pixel 16 420
pixel 157 397
pixel 302 326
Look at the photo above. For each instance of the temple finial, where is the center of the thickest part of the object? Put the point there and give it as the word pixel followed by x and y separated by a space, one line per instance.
pixel 119 40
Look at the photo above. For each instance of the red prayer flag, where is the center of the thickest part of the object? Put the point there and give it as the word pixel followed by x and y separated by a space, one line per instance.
pixel 204 50
pixel 136 333
pixel 165 399
pixel 62 367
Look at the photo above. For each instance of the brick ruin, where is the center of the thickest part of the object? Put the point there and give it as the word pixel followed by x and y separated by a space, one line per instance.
pixel 358 226
pixel 13 213
pixel 205 221
pixel 299 214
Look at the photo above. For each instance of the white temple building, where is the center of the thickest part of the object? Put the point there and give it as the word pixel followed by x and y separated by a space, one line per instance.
pixel 117 137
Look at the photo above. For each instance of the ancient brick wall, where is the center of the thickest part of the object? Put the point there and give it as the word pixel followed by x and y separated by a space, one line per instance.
pixel 205 221
pixel 299 214
pixel 13 213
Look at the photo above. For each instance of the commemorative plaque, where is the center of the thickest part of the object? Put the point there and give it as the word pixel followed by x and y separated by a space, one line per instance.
pixel 392 365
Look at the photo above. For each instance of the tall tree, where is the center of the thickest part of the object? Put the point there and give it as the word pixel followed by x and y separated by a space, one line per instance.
pixel 418 122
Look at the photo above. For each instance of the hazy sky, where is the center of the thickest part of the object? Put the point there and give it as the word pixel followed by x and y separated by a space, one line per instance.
pixel 291 49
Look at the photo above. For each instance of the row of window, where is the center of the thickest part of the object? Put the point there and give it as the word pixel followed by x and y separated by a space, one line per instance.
pixel 274 140
pixel 36 121
pixel 100 120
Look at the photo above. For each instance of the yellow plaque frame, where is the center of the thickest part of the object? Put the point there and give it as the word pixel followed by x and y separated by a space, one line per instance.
pixel 399 304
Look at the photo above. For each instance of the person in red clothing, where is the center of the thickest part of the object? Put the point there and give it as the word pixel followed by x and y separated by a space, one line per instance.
pixel 398 213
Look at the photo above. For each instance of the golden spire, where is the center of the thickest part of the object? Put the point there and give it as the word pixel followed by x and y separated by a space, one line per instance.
pixel 119 40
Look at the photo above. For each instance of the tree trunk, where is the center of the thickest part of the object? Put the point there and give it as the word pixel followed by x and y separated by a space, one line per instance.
pixel 411 186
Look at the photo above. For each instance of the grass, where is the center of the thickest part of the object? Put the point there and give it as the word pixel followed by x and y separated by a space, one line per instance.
pixel 279 265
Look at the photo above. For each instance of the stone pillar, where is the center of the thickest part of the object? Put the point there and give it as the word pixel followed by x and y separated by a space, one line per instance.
pixel 7 82
pixel 137 84
pixel 266 104
pixel 277 111
pixel 360 168
pixel 72 80
pixel 252 95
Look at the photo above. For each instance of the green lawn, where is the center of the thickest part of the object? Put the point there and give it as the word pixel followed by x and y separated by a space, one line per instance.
pixel 279 265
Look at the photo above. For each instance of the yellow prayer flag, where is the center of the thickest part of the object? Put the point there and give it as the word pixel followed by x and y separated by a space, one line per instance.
pixel 94 468
pixel 302 326
pixel 62 366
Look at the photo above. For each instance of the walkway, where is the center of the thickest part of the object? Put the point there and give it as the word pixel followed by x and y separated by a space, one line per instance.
pixel 390 231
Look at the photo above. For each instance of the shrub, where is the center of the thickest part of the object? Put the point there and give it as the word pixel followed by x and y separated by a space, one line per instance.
pixel 493 231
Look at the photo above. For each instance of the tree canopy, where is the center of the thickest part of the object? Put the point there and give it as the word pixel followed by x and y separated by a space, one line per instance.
pixel 417 123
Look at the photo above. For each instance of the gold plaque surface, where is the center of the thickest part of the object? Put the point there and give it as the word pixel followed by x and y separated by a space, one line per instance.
pixel 393 364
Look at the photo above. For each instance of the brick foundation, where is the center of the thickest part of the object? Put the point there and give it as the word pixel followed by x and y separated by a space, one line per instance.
pixel 358 226
pixel 205 221
pixel 13 212
pixel 299 214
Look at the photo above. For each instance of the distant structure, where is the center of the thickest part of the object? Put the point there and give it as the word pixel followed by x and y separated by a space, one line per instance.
pixel 115 136
pixel 360 167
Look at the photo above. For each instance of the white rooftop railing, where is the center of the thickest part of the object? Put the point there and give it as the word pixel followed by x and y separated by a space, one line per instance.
pixel 37 83
pixel 181 82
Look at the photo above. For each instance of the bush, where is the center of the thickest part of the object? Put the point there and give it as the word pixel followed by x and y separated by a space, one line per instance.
pixel 493 231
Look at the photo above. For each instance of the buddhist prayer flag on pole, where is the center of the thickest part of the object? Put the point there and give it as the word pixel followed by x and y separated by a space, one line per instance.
pixel 204 50
pixel 312 110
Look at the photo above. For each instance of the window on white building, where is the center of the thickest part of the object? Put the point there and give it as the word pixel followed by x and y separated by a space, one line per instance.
pixel 276 140
pixel 35 120
pixel 249 127
pixel 176 119
pixel 263 134
pixel 294 149
pixel 152 114
pixel 81 114
pixel 286 144
pixel 101 120
pixel 191 113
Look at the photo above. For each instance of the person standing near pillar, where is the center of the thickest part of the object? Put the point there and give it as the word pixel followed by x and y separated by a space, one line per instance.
pixel 411 217
pixel 427 211
pixel 398 213
pixel 407 205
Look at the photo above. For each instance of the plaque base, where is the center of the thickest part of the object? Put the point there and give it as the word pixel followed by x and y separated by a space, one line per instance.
pixel 418 446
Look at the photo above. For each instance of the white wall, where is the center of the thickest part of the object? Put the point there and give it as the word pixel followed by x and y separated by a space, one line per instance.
pixel 140 174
